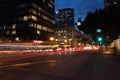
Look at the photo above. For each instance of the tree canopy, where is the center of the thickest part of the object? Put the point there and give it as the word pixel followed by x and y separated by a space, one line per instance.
pixel 107 19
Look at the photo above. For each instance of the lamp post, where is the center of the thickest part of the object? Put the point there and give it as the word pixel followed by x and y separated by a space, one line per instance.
pixel 51 38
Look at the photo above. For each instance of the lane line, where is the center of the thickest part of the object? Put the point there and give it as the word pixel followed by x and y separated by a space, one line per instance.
pixel 28 63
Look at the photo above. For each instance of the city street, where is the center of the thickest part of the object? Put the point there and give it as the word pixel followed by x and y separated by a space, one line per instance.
pixel 59 40
pixel 83 65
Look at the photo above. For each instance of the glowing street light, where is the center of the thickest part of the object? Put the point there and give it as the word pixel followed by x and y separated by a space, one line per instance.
pixel 51 38
pixel 65 41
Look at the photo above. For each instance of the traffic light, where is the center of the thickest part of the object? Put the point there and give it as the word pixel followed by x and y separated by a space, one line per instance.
pixel 99 39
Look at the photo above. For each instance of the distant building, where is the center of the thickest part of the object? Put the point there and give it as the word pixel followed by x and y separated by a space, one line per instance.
pixel 65 17
pixel 110 2
pixel 26 19
pixel 65 31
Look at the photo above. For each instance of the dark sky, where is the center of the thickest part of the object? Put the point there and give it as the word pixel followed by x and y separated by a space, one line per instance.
pixel 80 6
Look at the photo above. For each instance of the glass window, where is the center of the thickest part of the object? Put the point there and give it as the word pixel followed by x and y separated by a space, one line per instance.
pixel 45 28
pixel 31 24
pixel 38 32
pixel 13 32
pixel 34 18
pixel 14 26
pixel 25 18
pixel 39 26
pixel 50 5
pixel 4 27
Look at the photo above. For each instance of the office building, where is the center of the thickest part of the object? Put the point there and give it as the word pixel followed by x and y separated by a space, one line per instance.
pixel 26 19
pixel 65 17
pixel 65 31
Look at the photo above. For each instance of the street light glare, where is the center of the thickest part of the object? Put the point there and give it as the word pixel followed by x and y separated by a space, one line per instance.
pixel 51 38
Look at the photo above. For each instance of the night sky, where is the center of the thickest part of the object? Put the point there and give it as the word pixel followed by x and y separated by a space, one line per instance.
pixel 80 6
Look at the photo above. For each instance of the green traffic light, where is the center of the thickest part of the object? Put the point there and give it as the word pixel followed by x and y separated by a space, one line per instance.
pixel 100 39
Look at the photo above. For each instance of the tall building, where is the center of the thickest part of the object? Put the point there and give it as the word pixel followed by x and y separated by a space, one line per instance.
pixel 110 2
pixel 26 19
pixel 65 17
pixel 65 31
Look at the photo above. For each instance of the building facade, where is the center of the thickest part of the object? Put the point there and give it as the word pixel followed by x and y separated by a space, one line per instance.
pixel 26 19
pixel 67 36
pixel 65 31
pixel 110 2
pixel 65 17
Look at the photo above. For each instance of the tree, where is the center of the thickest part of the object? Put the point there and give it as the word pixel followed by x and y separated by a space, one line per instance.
pixel 107 19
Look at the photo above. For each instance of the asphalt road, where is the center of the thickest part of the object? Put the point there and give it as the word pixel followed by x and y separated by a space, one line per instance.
pixel 85 65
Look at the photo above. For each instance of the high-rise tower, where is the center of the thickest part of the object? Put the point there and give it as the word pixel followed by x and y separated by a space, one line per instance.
pixel 26 19
pixel 65 31
pixel 65 17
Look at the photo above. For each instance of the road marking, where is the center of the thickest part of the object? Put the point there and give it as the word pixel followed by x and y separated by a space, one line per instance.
pixel 28 63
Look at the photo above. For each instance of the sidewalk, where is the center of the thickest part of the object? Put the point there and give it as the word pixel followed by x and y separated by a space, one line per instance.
pixel 106 67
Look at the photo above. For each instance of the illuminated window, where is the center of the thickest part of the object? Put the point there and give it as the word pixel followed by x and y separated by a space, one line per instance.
pixel 25 18
pixel 64 36
pixel 53 21
pixel 13 32
pixel 45 28
pixel 64 31
pixel 32 11
pixel 44 17
pixel 34 25
pixel 59 34
pixel 4 27
pixel 50 5
pixel 61 31
pixel 56 39
pixel 39 8
pixel 14 26
pixel 34 18
pixel 50 30
pixel 31 24
pixel 38 32
pixel 39 26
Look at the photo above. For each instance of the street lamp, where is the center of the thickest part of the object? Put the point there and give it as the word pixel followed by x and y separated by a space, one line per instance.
pixel 65 41
pixel 51 38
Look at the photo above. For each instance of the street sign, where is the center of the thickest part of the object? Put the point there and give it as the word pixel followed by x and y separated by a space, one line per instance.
pixel 99 30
